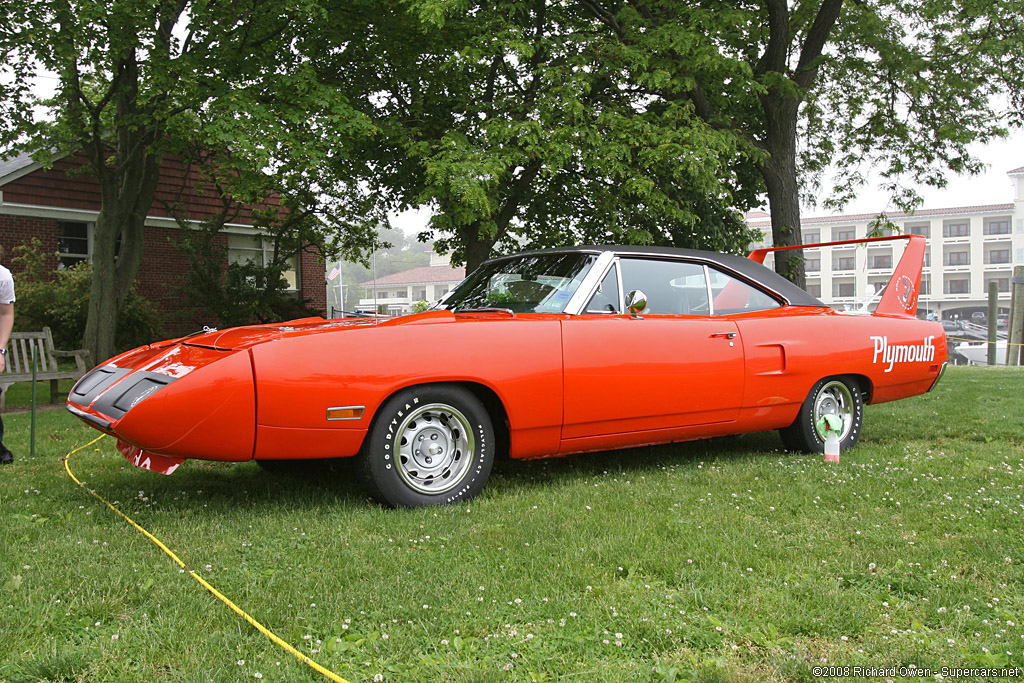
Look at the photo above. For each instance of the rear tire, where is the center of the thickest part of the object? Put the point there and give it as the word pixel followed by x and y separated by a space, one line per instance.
pixel 429 445
pixel 830 396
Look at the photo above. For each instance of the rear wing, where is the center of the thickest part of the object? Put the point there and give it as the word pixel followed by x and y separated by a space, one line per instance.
pixel 900 295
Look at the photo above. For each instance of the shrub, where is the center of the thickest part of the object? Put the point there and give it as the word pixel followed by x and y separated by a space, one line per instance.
pixel 60 300
pixel 234 293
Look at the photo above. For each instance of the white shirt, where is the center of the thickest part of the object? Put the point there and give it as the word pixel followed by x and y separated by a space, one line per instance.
pixel 6 286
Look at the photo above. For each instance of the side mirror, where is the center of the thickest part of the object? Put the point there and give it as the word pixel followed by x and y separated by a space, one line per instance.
pixel 636 302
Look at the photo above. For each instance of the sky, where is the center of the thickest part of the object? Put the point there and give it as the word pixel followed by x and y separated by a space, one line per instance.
pixel 991 187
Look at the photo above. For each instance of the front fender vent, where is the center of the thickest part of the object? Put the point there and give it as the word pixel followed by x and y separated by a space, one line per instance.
pixel 95 382
pixel 124 396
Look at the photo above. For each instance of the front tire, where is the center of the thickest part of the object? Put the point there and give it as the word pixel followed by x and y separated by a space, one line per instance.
pixel 429 445
pixel 830 396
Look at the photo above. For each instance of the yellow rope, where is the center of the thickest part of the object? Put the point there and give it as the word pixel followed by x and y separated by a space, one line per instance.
pixel 220 596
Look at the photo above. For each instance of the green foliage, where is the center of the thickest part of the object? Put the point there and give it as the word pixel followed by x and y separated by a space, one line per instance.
pixel 500 117
pixel 144 80
pixel 235 293
pixel 829 87
pixel 60 300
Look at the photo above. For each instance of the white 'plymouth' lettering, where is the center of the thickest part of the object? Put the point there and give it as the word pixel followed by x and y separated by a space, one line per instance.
pixel 902 353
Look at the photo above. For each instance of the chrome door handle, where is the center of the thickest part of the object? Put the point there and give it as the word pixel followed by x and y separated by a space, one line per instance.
pixel 726 335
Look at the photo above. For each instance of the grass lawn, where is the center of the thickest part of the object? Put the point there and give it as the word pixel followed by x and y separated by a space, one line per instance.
pixel 723 560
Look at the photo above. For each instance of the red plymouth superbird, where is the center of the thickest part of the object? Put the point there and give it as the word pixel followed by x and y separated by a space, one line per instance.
pixel 538 354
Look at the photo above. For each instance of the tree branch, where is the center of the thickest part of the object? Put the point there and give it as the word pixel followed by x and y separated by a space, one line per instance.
pixel 605 17
pixel 817 37
pixel 777 51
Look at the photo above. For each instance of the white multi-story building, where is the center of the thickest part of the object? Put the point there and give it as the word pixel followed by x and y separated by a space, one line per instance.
pixel 968 247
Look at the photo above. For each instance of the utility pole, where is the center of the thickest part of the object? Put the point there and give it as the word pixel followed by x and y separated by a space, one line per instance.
pixel 993 313
pixel 1016 331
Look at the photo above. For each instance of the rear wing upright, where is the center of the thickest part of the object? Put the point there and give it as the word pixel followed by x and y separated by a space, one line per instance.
pixel 900 295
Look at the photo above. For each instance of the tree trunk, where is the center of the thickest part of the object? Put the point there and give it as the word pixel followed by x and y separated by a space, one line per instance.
pixel 127 189
pixel 779 171
pixel 478 247
pixel 122 216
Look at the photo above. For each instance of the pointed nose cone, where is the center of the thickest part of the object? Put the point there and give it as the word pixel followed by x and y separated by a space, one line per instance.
pixel 209 412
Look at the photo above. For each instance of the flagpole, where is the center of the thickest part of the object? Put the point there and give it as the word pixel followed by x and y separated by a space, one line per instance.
pixel 341 289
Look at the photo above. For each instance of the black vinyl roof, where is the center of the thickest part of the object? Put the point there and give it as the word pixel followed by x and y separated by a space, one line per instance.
pixel 740 265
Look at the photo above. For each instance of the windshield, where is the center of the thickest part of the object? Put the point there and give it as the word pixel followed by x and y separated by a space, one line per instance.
pixel 526 284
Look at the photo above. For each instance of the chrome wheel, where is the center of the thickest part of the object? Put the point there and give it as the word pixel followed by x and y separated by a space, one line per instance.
pixel 834 398
pixel 435 448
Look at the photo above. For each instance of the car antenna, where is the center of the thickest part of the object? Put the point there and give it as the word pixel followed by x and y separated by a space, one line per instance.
pixel 373 268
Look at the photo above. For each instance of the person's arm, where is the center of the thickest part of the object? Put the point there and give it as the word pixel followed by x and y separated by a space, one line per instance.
pixel 6 325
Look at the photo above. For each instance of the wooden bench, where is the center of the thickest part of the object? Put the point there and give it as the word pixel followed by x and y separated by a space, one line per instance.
pixel 19 362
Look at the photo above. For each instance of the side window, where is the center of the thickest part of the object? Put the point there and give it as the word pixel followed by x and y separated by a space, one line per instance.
pixel 672 287
pixel 606 298
pixel 735 296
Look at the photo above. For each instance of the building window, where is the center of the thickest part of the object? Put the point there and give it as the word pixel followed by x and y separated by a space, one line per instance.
pixel 881 261
pixel 839 234
pixel 441 291
pixel 843 289
pixel 845 263
pixel 419 294
pixel 926 286
pixel 958 258
pixel 814 290
pixel 72 244
pixel 998 256
pixel 956 229
pixel 997 226
pixel 259 251
pixel 923 229
pixel 958 286
pixel 812 237
pixel 812 265
pixel 1002 282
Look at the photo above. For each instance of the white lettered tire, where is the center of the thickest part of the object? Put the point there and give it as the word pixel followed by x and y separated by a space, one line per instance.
pixel 838 396
pixel 429 445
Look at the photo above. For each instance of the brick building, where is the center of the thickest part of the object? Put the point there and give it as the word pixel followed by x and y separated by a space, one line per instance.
pixel 59 206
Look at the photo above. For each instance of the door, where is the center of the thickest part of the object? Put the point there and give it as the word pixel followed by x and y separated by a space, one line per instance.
pixel 674 365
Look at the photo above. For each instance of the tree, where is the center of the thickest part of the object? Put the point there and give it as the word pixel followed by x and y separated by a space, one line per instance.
pixel 511 120
pixel 143 79
pixel 900 87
